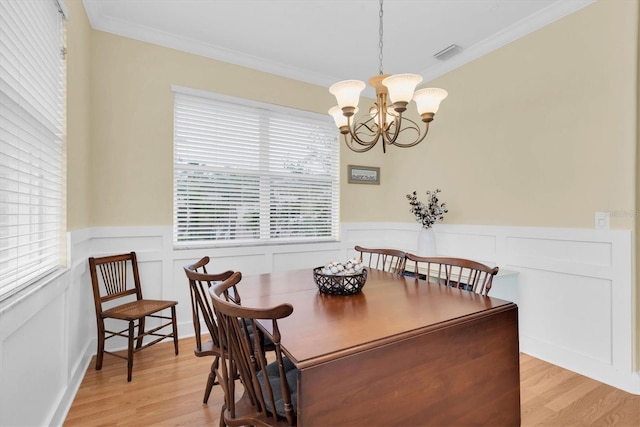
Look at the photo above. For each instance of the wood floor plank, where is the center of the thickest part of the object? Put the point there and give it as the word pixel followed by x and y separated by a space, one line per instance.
pixel 588 408
pixel 626 412
pixel 167 390
pixel 571 390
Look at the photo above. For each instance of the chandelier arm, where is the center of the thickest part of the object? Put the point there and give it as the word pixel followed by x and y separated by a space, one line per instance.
pixel 350 145
pixel 358 126
pixel 390 139
pixel 417 141
pixel 353 132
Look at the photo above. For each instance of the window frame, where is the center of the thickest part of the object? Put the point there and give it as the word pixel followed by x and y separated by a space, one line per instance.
pixel 33 179
pixel 328 132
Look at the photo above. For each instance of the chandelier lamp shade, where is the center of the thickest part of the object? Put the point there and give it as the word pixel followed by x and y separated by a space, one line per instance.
pixel 385 121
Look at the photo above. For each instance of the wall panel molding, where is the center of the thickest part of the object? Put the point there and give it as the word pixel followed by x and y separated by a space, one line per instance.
pixel 573 287
pixel 575 294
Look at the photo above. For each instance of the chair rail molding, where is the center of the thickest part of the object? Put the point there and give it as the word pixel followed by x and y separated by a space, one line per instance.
pixel 574 289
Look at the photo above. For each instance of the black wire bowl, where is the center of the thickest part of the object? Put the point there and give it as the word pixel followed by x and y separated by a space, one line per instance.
pixel 339 285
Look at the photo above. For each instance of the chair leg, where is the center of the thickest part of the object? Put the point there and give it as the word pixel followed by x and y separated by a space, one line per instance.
pixel 224 408
pixel 140 332
pixel 130 352
pixel 211 381
pixel 100 350
pixel 175 329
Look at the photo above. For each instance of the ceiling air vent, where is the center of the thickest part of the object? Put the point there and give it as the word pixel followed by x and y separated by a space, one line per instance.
pixel 448 52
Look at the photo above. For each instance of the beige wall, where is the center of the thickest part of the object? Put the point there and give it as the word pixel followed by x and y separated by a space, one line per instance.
pixel 132 121
pixel 541 132
pixel 78 118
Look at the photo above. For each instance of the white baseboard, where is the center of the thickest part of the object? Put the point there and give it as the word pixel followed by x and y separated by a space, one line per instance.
pixel 62 409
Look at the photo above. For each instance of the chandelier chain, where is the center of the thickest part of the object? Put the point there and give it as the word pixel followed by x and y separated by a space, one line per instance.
pixel 380 42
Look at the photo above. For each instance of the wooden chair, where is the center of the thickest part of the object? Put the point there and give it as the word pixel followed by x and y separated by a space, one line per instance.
pixel 391 260
pixel 457 272
pixel 114 284
pixel 202 310
pixel 270 390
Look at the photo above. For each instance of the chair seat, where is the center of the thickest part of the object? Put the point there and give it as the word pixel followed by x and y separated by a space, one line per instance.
pixel 137 309
pixel 207 349
pixel 249 413
pixel 273 377
pixel 267 344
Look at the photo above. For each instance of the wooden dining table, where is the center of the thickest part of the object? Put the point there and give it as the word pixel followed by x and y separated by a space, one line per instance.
pixel 403 352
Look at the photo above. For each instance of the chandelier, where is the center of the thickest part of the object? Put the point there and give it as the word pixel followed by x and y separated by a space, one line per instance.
pixel 385 120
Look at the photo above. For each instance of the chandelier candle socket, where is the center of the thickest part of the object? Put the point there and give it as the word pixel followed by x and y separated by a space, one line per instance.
pixel 385 120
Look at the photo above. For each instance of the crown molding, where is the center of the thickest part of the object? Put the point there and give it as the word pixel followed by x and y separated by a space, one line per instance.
pixel 544 17
pixel 100 22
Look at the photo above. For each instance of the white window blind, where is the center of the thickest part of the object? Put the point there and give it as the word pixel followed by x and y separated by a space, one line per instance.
pixel 31 153
pixel 252 173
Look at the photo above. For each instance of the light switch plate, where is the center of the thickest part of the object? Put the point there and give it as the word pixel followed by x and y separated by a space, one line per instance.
pixel 603 220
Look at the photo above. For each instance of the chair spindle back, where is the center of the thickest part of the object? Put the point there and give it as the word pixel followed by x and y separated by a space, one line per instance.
pixel 457 272
pixel 268 398
pixel 390 260
pixel 201 307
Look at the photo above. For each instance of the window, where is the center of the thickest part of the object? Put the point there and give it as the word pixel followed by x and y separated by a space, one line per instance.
pixel 247 173
pixel 31 141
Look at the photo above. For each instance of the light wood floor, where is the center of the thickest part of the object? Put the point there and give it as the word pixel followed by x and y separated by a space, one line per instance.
pixel 167 390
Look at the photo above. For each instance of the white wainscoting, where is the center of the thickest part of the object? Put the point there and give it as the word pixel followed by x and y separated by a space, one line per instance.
pixel 573 287
pixel 575 293
pixel 46 342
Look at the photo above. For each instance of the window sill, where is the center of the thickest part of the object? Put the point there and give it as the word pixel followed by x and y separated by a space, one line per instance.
pixel 15 297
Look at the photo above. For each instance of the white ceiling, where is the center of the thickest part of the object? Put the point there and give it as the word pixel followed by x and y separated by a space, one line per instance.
pixel 324 41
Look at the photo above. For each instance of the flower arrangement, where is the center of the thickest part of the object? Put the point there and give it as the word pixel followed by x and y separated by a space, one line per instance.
pixel 427 213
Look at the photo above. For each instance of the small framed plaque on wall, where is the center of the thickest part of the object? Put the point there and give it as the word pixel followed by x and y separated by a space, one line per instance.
pixel 363 174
